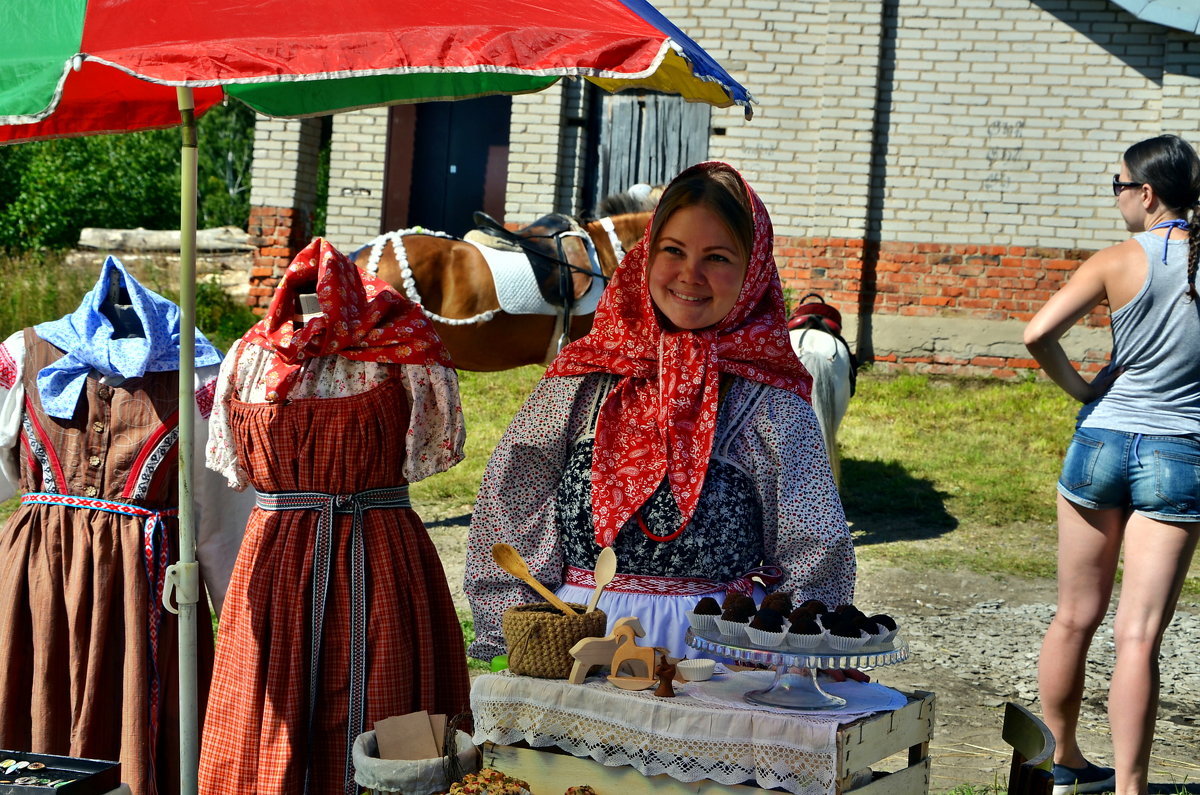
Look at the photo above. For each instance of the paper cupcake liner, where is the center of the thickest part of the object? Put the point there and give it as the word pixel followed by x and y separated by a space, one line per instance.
pixel 805 642
pixel 732 629
pixel 847 644
pixel 764 639
pixel 704 622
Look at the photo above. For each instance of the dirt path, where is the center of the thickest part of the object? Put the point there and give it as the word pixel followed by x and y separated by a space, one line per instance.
pixel 974 641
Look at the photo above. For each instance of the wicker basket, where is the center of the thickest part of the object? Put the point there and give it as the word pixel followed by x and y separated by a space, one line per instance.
pixel 540 637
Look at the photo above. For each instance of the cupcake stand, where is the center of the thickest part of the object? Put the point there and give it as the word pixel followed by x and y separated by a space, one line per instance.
pixel 796 685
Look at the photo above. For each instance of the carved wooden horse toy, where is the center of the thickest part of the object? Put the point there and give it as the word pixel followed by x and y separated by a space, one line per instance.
pixel 613 650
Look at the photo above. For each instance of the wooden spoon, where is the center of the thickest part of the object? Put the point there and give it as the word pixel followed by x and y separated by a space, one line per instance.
pixel 511 561
pixel 606 569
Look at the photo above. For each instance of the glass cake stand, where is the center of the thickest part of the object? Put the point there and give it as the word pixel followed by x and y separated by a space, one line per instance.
pixel 797 689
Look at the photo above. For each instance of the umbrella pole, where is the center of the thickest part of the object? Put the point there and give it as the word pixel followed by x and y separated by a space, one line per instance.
pixel 187 585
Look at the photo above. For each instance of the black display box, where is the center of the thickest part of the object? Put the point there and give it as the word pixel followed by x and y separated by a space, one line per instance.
pixel 83 776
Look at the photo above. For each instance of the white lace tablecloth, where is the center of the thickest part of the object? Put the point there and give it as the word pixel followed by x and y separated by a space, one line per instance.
pixel 706 732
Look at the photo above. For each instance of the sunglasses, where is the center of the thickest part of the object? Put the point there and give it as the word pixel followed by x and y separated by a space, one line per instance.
pixel 1119 186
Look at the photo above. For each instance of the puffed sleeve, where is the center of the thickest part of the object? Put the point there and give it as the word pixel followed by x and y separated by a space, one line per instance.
pixel 12 409
pixel 804 525
pixel 516 505
pixel 221 513
pixel 436 433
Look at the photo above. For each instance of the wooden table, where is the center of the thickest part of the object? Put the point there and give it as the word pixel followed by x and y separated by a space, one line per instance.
pixel 859 744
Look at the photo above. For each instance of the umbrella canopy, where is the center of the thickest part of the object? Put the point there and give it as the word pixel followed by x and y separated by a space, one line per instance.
pixel 73 67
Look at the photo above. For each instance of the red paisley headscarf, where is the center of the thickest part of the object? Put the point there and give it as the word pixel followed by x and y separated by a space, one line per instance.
pixel 363 318
pixel 661 417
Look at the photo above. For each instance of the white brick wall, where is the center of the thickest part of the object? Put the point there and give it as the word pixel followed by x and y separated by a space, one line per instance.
pixel 533 146
pixel 1001 120
pixel 285 162
pixel 358 158
pixel 992 121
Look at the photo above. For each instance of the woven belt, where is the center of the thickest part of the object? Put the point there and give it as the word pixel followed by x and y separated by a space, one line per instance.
pixel 329 505
pixel 156 556
pixel 675 586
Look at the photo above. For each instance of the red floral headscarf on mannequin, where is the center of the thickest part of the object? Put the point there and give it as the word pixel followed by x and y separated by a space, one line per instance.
pixel 661 417
pixel 363 318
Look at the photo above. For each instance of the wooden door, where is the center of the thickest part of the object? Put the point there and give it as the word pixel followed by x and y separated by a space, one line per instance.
pixel 646 138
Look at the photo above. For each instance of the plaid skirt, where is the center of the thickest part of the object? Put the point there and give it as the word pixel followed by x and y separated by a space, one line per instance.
pixel 263 733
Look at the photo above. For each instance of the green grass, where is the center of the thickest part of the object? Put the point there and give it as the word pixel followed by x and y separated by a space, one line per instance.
pixel 37 288
pixel 955 472
pixel 489 402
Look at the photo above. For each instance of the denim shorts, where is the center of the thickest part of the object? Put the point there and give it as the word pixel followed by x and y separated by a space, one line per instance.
pixel 1155 476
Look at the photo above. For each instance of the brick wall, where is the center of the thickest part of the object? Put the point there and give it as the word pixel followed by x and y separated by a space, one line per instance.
pixel 357 162
pixel 941 308
pixel 282 197
pixel 925 130
pixel 535 140
pixel 961 149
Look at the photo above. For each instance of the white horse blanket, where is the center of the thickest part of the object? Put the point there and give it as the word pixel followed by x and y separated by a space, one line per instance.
pixel 518 291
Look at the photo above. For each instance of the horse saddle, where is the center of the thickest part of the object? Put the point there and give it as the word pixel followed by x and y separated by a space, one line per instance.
pixel 823 317
pixel 554 246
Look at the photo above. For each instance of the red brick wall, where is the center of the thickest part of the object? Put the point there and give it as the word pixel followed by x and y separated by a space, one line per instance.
pixel 280 233
pixel 990 283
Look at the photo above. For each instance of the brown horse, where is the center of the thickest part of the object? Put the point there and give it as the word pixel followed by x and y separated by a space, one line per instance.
pixel 451 280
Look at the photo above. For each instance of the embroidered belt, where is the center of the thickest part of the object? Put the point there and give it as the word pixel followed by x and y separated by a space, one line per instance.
pixel 156 556
pixel 329 505
pixel 650 585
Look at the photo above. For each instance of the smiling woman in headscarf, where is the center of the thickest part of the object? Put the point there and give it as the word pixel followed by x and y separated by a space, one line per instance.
pixel 678 432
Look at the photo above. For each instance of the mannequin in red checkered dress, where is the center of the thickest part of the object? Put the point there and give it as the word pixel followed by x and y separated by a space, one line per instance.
pixel 338 614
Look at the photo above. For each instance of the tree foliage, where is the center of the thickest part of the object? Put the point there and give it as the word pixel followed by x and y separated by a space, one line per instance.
pixel 50 190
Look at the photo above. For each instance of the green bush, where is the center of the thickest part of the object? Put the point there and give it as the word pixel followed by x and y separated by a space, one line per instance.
pixel 222 319
pixel 50 190
pixel 119 181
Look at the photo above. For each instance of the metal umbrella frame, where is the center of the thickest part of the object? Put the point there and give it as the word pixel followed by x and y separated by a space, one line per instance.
pixel 91 70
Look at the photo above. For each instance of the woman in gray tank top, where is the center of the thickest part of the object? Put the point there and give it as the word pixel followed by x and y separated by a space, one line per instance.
pixel 1132 471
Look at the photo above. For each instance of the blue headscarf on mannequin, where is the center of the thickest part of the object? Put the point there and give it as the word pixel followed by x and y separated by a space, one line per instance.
pixel 87 336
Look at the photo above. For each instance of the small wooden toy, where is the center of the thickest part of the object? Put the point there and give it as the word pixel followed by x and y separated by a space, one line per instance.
pixel 665 673
pixel 591 653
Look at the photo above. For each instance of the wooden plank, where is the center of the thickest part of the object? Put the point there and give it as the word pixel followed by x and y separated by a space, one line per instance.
pixel 865 742
pixel 550 770
pixel 913 780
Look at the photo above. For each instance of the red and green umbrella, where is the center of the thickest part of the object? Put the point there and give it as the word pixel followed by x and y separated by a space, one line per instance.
pixel 79 67
pixel 73 67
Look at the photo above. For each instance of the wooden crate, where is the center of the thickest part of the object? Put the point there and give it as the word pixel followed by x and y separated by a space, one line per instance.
pixel 550 771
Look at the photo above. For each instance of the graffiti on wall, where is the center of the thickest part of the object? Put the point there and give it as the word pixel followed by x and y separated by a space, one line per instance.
pixel 1004 151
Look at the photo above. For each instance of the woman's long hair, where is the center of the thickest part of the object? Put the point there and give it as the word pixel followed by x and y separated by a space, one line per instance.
pixel 1169 164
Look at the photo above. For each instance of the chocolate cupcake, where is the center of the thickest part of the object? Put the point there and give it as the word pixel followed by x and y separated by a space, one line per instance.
pixel 703 617
pixel 766 628
pixel 802 614
pixel 888 624
pixel 805 633
pixel 779 602
pixel 845 636
pixel 816 605
pixel 736 616
pixel 885 621
pixel 734 598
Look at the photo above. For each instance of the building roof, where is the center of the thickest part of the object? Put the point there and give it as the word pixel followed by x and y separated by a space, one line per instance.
pixel 1181 14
